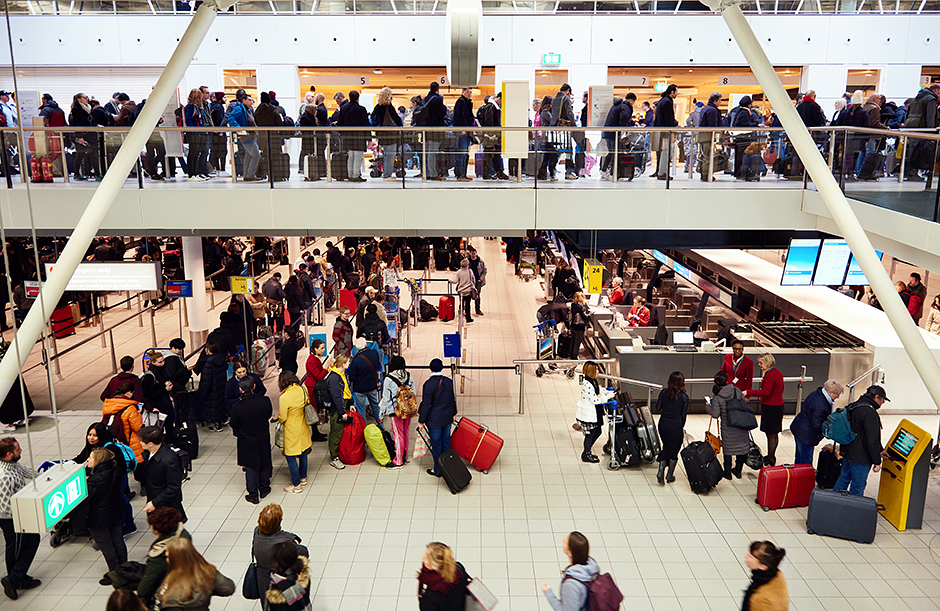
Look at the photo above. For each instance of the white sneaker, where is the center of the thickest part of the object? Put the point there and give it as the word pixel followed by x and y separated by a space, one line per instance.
pixel 9 428
pixel 194 179
pixel 604 175
pixel 337 464
pixel 390 179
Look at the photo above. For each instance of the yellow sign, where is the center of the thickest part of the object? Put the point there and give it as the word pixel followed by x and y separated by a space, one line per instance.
pixel 593 275
pixel 242 285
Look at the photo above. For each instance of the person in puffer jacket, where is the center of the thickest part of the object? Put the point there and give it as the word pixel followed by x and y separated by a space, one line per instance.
pixel 582 570
pixel 290 579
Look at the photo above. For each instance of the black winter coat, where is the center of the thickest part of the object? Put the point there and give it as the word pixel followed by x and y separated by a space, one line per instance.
pixel 105 487
pixel 811 113
pixel 379 113
pixel 165 480
pixel 665 113
pixel 866 424
pixel 454 600
pixel 250 416
pixel 352 114
pixel 212 387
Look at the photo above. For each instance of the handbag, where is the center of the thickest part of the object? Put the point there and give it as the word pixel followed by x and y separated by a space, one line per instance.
pixel 738 414
pixel 711 439
pixel 279 435
pixel 479 597
pixel 250 583
pixel 421 447
pixel 310 412
pixel 755 460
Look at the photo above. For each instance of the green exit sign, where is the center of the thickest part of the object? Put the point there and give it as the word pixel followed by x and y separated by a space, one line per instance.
pixel 660 87
pixel 551 59
pixel 64 497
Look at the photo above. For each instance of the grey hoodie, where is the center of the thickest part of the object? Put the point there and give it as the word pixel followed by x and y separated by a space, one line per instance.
pixel 574 593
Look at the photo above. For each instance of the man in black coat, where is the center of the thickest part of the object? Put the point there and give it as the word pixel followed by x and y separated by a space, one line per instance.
pixel 352 114
pixel 437 411
pixel 865 452
pixel 250 416
pixel 288 359
pixel 164 481
pixel 434 114
pixel 665 117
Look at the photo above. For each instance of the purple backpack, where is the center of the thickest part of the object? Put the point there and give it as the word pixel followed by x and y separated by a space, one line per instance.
pixel 603 593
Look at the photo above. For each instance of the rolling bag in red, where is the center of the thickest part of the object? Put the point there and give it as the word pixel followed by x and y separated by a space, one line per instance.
pixel 476 444
pixel 445 308
pixel 62 322
pixel 785 486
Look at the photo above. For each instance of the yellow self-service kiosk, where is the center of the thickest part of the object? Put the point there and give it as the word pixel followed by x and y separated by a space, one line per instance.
pixel 903 488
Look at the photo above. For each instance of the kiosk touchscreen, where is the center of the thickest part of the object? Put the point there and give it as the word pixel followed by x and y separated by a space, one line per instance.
pixel 903 488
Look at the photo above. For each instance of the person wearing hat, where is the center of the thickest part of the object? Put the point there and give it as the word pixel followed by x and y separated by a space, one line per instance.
pixel 438 409
pixel 865 452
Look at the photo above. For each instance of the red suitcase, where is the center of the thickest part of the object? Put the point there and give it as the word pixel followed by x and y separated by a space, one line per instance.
pixel 476 444
pixel 445 308
pixel 62 322
pixel 785 486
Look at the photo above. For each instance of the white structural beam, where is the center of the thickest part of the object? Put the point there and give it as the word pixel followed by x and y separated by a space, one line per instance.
pixel 849 225
pixel 107 191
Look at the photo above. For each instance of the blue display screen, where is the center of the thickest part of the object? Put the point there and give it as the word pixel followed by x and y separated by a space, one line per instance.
pixel 855 276
pixel 681 270
pixel 661 257
pixel 801 261
pixel 833 259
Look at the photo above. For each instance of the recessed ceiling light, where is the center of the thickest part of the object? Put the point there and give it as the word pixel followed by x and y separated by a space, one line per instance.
pixel 376 72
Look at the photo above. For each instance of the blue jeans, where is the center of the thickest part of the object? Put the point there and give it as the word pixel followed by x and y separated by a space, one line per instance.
pixel 297 472
pixel 804 453
pixel 440 443
pixel 364 399
pixel 463 155
pixel 855 474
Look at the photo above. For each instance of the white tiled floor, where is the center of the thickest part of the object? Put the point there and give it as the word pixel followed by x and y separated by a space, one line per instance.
pixel 366 526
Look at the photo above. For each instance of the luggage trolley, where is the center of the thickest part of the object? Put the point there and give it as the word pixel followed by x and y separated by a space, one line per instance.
pixel 546 349
pixel 528 264
pixel 641 419
pixel 634 147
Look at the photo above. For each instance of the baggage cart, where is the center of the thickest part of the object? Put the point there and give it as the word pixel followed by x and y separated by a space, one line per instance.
pixel 546 349
pixel 528 264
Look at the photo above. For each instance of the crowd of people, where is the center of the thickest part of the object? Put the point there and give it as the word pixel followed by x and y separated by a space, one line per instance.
pixel 444 151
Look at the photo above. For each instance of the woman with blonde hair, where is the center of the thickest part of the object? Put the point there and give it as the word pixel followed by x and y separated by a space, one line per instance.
pixel 340 401
pixel 105 505
pixel 385 115
pixel 297 443
pixel 590 411
pixel 191 581
pixel 442 581
pixel 197 115
pixel 771 404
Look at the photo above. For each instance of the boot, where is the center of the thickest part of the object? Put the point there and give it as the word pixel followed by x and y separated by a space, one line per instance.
pixel 738 467
pixel 670 474
pixel 727 467
pixel 661 473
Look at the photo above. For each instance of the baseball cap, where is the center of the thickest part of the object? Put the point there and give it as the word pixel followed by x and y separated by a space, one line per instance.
pixel 877 391
pixel 5 92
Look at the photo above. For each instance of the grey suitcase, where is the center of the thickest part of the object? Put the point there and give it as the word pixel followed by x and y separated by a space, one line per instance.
pixel 842 515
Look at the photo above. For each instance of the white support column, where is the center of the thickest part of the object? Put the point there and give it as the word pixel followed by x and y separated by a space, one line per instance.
pixel 293 252
pixel 107 191
pixel 849 225
pixel 196 305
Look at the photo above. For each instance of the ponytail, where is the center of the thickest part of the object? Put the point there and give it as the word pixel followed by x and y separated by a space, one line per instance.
pixel 767 553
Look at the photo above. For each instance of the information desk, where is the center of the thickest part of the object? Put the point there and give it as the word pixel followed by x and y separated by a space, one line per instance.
pixel 903 487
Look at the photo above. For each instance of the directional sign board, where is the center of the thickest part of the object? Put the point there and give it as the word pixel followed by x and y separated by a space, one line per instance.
pixel 242 285
pixel 56 492
pixel 452 345
pixel 179 288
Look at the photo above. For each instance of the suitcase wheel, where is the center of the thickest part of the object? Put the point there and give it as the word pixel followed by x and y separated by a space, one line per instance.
pixel 570 374
pixel 607 448
pixel 486 471
pixel 539 371
pixel 766 508
pixel 810 531
pixel 613 465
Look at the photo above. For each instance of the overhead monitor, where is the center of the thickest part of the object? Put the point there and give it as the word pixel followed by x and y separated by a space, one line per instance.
pixel 855 276
pixel 115 276
pixel 683 338
pixel 833 261
pixel 681 270
pixel 801 261
pixel 660 256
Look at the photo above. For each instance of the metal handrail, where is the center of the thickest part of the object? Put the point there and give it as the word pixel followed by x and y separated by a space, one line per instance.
pixel 520 363
pixel 863 376
pixel 785 379
pixel 650 385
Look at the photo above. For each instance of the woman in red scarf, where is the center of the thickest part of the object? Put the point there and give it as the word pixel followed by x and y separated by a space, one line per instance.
pixel 442 581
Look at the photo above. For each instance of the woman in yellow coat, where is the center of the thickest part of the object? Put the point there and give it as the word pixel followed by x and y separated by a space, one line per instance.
pixel 290 413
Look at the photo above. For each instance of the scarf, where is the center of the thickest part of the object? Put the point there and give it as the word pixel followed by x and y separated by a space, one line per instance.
pixel 342 374
pixel 85 107
pixel 806 98
pixel 432 580
pixel 758 578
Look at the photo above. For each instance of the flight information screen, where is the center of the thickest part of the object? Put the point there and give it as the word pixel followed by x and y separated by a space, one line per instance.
pixel 801 261
pixel 855 276
pixel 833 259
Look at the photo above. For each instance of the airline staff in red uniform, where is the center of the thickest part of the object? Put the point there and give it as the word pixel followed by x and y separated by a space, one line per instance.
pixel 771 404
pixel 740 369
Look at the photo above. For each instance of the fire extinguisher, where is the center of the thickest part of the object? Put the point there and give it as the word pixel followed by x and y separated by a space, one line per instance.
pixel 47 169
pixel 35 169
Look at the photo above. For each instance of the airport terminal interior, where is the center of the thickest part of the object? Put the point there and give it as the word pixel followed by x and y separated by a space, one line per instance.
pixel 653 187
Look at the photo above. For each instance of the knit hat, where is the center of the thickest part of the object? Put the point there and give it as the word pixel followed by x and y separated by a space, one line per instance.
pixel 436 366
pixel 857 99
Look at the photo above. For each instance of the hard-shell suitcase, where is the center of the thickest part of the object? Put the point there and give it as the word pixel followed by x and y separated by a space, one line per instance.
pixel 454 473
pixel 186 461
pixel 564 345
pixel 441 259
pixel 62 322
pixel 701 467
pixel 626 166
pixel 376 443
pixel 828 467
pixel 476 444
pixel 424 259
pixel 187 439
pixel 842 515
pixel 445 308
pixel 280 165
pixel 873 167
pixel 338 168
pixel 311 168
pixel 785 486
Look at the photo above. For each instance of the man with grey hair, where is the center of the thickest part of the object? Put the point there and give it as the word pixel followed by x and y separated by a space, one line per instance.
pixel 710 116
pixel 807 426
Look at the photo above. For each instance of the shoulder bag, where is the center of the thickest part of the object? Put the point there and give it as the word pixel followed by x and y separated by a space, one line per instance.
pixel 310 412
pixel 250 583
pixel 755 460
pixel 711 439
pixel 479 597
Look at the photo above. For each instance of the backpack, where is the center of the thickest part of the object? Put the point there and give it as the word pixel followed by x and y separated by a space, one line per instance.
pixel 116 425
pixel 406 404
pixel 728 119
pixel 420 115
pixel 321 394
pixel 124 450
pixel 838 427
pixel 603 593
pixel 489 114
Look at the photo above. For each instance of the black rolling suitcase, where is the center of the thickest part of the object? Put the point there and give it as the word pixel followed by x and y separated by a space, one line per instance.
pixel 186 461
pixel 451 467
pixel 280 166
pixel 338 168
pixel 406 258
pixel 828 468
pixel 187 438
pixel 626 166
pixel 424 258
pixel 842 515
pixel 564 345
pixel 441 259
pixel 702 467
pixel 873 167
